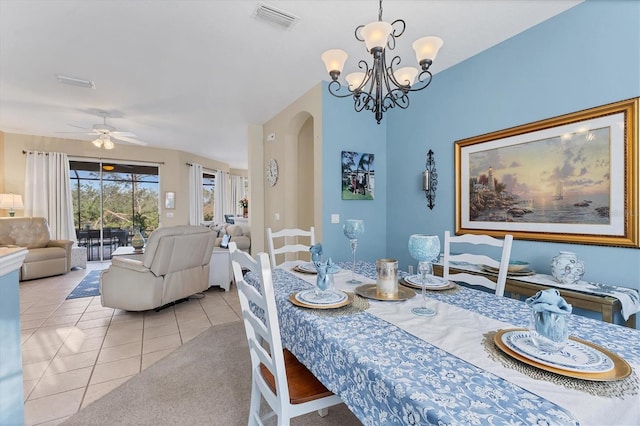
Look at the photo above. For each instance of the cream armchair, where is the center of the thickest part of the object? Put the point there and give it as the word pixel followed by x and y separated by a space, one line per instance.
pixel 175 265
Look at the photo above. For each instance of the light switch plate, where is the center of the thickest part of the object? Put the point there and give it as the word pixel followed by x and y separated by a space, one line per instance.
pixel 335 218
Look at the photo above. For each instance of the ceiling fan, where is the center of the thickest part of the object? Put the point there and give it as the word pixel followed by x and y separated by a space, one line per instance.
pixel 105 133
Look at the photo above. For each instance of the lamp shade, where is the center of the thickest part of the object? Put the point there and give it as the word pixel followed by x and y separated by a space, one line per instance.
pixel 334 60
pixel 355 79
pixel 11 202
pixel 376 34
pixel 426 48
pixel 108 144
pixel 406 76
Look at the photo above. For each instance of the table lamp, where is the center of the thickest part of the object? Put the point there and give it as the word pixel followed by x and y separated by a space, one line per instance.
pixel 11 202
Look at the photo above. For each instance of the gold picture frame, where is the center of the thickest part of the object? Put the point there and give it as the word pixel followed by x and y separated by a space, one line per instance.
pixel 571 178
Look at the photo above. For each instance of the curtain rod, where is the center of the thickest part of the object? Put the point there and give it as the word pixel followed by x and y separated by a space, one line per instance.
pixel 100 158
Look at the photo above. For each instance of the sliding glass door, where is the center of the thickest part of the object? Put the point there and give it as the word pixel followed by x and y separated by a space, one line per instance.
pixel 110 201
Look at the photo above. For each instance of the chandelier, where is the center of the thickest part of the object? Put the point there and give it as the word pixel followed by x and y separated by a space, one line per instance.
pixel 103 141
pixel 381 86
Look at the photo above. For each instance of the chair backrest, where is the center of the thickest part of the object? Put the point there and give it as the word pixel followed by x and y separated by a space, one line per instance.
pixel 478 259
pixel 290 242
pixel 175 248
pixel 261 331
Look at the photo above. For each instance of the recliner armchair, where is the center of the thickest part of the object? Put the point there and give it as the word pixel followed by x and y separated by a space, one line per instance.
pixel 175 265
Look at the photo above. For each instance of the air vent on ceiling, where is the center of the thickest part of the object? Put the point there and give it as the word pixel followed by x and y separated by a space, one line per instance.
pixel 274 16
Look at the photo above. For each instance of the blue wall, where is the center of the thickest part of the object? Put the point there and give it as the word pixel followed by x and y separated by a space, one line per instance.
pixel 585 57
pixel 346 130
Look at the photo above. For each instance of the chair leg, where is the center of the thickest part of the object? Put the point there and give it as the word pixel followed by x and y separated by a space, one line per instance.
pixel 323 412
pixel 254 407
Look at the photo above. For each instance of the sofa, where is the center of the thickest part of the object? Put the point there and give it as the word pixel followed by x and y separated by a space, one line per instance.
pixel 220 273
pixel 45 257
pixel 174 266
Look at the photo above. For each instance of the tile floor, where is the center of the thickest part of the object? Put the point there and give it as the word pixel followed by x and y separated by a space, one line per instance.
pixel 75 351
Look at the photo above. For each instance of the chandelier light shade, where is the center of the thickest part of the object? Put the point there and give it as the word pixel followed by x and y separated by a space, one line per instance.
pixel 380 86
pixel 11 202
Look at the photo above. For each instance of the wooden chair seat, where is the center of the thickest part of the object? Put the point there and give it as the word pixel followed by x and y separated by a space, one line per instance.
pixel 303 385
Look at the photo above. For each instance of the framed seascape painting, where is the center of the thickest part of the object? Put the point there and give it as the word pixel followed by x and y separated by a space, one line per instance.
pixel 358 175
pixel 572 178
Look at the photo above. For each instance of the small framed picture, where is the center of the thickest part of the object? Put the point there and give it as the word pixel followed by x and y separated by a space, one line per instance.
pixel 169 200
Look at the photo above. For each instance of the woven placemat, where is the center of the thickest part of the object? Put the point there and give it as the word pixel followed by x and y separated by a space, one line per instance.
pixel 359 304
pixel 618 389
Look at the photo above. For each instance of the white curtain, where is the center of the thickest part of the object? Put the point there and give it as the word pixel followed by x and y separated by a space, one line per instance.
pixel 195 195
pixel 47 192
pixel 221 196
pixel 236 193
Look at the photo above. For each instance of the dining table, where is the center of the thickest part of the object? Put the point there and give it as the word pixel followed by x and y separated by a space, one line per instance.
pixel 390 366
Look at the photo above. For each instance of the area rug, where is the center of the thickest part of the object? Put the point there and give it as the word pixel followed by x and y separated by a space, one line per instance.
pixel 206 381
pixel 88 287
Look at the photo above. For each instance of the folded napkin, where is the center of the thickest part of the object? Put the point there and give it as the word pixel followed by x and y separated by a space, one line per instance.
pixel 550 315
pixel 316 252
pixel 548 301
pixel 324 279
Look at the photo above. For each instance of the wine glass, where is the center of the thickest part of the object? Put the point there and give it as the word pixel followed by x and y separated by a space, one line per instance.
pixel 425 269
pixel 425 249
pixel 352 229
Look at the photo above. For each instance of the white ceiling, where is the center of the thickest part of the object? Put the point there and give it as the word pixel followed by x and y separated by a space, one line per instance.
pixel 191 75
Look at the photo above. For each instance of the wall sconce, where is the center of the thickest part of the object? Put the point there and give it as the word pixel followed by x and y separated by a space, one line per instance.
pixel 430 180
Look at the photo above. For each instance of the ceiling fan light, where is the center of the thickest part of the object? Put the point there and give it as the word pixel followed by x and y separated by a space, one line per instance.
pixel 406 76
pixel 376 34
pixel 426 48
pixel 97 143
pixel 334 60
pixel 108 144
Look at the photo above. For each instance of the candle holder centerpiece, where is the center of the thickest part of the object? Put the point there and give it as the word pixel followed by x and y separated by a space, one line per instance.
pixel 353 228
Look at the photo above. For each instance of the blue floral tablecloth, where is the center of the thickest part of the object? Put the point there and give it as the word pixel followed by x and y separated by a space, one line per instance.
pixel 388 376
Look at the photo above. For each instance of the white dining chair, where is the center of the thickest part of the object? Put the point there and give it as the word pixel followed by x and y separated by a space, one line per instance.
pixel 289 241
pixel 478 259
pixel 288 387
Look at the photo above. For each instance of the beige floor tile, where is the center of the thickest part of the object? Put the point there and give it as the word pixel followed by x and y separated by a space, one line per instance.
pixel 97 391
pixel 26 334
pixel 224 319
pixel 116 369
pixel 62 320
pixel 63 382
pixel 120 316
pixel 39 308
pixel 121 337
pixel 52 407
pixel 70 310
pixel 39 354
pixel 132 324
pixel 34 370
pixel 194 324
pixel 89 344
pixel 95 331
pixel 72 362
pixel 190 334
pixel 153 357
pixel 165 330
pixel 120 352
pixel 32 323
pixel 27 387
pixel 94 315
pixel 160 343
pixel 101 322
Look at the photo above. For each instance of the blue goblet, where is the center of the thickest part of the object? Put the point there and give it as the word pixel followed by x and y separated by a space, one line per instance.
pixel 425 249
pixel 352 229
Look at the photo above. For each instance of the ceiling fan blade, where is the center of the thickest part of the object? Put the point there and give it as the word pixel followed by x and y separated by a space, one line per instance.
pixel 79 127
pixel 77 133
pixel 125 134
pixel 128 139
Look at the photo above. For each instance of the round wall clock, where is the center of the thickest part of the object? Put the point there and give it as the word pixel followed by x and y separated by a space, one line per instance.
pixel 272 172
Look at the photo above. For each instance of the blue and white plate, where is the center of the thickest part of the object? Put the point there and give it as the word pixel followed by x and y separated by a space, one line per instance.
pixel 310 297
pixel 307 267
pixel 575 356
pixel 435 282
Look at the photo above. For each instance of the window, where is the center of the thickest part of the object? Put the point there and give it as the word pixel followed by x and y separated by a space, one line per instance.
pixel 112 195
pixel 208 195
